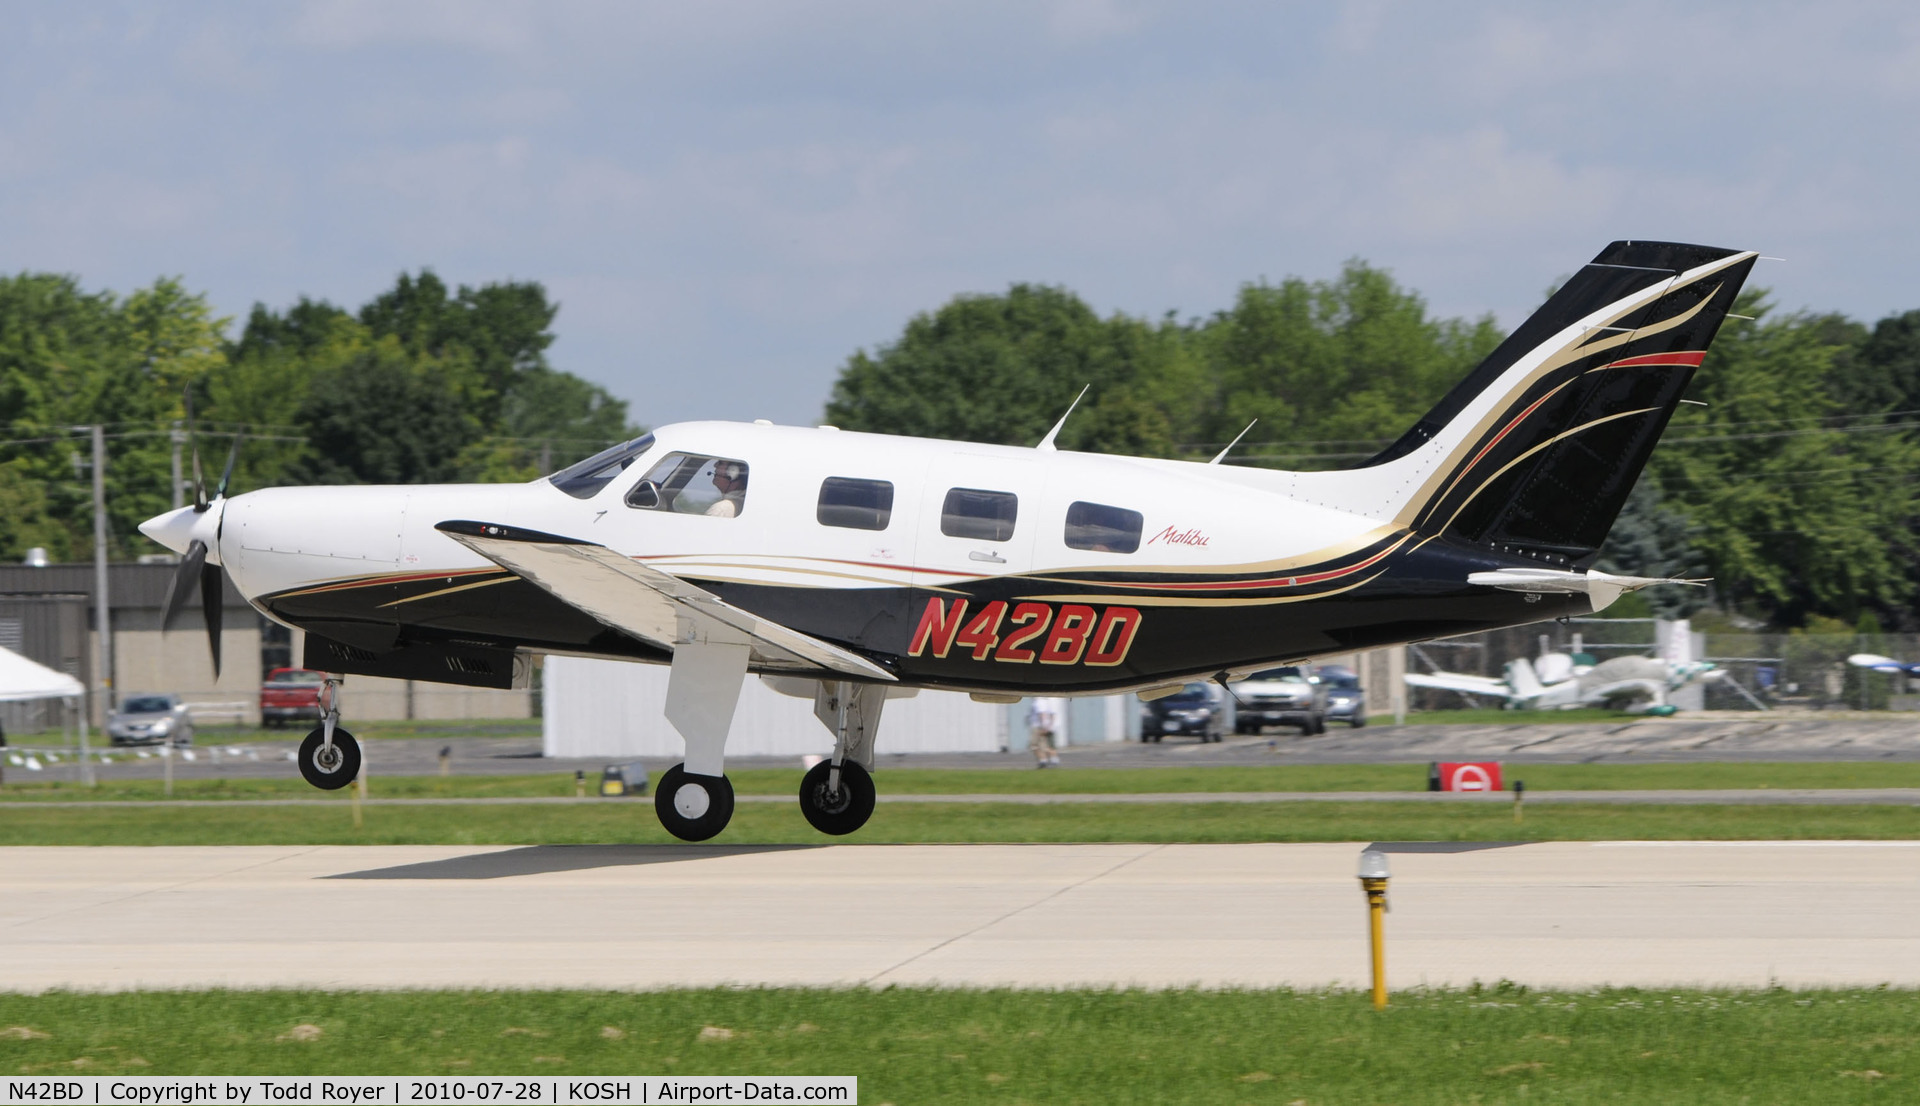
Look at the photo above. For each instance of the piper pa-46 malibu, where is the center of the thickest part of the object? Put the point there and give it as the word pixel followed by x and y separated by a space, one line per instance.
pixel 849 568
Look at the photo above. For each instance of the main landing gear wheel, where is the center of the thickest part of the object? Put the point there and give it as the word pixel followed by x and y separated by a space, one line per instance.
pixel 329 767
pixel 837 812
pixel 693 808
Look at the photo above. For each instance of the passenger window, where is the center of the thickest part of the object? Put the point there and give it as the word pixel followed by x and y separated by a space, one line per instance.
pixel 985 516
pixel 1103 529
pixel 689 484
pixel 584 479
pixel 855 504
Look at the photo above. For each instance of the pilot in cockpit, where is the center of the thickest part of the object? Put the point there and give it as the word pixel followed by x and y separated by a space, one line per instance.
pixel 731 478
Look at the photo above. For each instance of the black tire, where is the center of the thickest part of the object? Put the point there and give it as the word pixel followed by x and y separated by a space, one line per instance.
pixel 1356 721
pixel 712 812
pixel 1319 723
pixel 837 813
pixel 345 760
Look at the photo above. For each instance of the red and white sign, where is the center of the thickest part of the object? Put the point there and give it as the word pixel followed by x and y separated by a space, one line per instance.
pixel 1481 775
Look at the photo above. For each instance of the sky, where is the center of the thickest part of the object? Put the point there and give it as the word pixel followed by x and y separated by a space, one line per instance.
pixel 728 198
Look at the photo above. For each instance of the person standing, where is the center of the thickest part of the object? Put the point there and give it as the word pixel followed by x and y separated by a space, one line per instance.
pixel 1043 727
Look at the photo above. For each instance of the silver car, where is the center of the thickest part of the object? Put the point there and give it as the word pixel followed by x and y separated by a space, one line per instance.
pixel 150 720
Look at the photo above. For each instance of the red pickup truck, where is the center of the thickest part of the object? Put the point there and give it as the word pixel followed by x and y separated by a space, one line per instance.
pixel 291 695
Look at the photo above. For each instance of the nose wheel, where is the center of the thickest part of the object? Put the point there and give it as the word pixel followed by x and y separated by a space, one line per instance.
pixel 329 758
pixel 693 808
pixel 837 810
pixel 326 765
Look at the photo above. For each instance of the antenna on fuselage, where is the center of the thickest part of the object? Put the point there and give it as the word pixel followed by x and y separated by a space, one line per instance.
pixel 1222 455
pixel 1046 443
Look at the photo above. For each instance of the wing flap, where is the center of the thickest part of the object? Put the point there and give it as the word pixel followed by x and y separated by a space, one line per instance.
pixel 652 605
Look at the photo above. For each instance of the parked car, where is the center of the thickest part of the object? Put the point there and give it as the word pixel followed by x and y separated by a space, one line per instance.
pixel 150 720
pixel 1194 709
pixel 291 695
pixel 1280 697
pixel 1346 700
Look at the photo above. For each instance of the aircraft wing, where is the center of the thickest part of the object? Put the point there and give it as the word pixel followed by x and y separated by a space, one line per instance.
pixel 1458 681
pixel 654 606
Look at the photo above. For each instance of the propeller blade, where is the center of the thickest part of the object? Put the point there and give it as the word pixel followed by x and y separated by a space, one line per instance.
pixel 183 577
pixel 193 447
pixel 211 604
pixel 226 475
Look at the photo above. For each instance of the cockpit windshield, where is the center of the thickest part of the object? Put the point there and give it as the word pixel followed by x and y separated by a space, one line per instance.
pixel 584 479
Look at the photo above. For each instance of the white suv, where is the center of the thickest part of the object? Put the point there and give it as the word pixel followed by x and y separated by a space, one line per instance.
pixel 1279 697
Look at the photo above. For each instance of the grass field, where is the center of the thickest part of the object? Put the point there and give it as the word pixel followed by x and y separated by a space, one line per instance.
pixel 633 821
pixel 376 730
pixel 1499 1045
pixel 940 781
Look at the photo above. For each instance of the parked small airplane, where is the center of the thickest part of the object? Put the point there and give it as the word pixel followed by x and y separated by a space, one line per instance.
pixel 849 568
pixel 1558 682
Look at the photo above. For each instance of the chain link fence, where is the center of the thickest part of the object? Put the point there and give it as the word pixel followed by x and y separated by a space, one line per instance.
pixel 1764 670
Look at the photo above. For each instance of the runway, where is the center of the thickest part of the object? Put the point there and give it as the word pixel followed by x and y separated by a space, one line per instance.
pixel 1554 914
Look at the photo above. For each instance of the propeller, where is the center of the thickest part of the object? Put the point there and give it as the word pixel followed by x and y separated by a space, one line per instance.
pixel 194 563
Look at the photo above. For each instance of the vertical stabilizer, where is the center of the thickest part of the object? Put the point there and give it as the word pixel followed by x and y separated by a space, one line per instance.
pixel 1533 454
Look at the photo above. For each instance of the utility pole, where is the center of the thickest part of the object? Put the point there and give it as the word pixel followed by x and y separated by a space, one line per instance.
pixel 102 624
pixel 178 437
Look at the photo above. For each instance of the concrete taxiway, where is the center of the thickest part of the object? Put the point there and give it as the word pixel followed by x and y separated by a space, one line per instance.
pixel 1556 914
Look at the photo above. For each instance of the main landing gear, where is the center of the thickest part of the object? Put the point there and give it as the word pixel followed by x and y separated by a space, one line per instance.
pixel 329 758
pixel 693 808
pixel 837 799
pixel 837 794
pixel 694 799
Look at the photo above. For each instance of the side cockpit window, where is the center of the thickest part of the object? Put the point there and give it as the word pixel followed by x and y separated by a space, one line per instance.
pixel 584 479
pixel 980 515
pixel 855 504
pixel 693 484
pixel 1103 529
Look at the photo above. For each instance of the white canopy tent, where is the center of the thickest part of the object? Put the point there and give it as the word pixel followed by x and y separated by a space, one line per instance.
pixel 22 679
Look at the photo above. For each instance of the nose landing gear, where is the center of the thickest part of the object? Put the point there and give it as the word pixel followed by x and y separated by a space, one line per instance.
pixel 329 758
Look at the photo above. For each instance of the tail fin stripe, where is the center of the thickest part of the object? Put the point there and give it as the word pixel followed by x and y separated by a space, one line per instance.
pixel 1687 358
pixel 1497 438
pixel 1560 437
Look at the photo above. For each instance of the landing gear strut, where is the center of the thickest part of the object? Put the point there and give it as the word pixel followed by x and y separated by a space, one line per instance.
pixel 329 758
pixel 692 808
pixel 836 795
pixel 694 798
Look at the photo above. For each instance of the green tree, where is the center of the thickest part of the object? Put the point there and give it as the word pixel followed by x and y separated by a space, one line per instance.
pixel 1652 539
pixel 1003 368
pixel 1798 515
pixel 69 358
pixel 1345 364
pixel 390 416
pixel 1881 370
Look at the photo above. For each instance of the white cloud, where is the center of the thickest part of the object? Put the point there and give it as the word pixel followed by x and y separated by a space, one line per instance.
pixel 766 186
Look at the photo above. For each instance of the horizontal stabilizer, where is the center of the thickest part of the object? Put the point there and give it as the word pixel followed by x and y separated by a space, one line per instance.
pixel 656 607
pixel 1602 587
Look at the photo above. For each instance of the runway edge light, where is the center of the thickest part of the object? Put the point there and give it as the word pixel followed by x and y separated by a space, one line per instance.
pixel 1373 881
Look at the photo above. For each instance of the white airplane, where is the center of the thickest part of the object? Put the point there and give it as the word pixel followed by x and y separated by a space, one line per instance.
pixel 1878 663
pixel 850 568
pixel 1556 682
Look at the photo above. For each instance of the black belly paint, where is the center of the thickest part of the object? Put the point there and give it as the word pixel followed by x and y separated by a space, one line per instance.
pixel 1009 634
